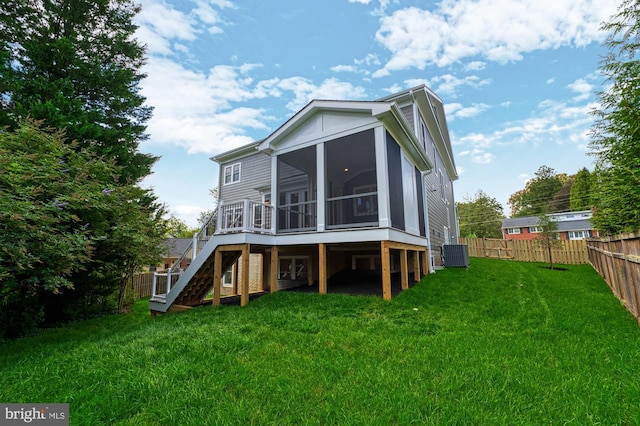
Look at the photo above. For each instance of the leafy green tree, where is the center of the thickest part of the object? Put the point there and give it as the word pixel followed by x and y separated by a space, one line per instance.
pixel 548 238
pixel 616 132
pixel 534 199
pixel 580 196
pixel 177 228
pixel 480 216
pixel 560 202
pixel 63 227
pixel 75 64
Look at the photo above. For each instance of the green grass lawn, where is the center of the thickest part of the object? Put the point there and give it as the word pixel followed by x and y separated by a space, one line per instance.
pixel 499 343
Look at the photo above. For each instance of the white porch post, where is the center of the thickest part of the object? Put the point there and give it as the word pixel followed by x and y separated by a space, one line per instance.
pixel 246 215
pixel 320 181
pixel 275 197
pixel 384 213
pixel 154 286
pixel 168 281
pixel 220 224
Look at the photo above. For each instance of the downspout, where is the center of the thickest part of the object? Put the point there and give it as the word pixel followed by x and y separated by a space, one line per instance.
pixel 426 218
pixel 425 201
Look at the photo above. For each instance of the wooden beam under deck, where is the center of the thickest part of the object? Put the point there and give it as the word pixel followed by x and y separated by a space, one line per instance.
pixel 322 268
pixel 404 269
pixel 273 272
pixel 416 265
pixel 385 258
pixel 217 277
pixel 244 292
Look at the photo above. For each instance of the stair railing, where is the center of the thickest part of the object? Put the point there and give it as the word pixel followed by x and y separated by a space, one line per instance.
pixel 199 240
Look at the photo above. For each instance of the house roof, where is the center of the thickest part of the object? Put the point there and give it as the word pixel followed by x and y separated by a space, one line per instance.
pixel 384 109
pixel 578 223
pixel 176 246
pixel 431 108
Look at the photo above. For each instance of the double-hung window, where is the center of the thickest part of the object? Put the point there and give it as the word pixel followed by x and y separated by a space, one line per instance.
pixel 232 173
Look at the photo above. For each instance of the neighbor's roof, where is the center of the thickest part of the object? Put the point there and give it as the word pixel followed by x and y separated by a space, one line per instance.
pixel 176 246
pixel 578 224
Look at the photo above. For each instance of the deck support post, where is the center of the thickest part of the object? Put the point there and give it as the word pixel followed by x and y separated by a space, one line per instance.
pixel 385 257
pixel 244 292
pixel 217 277
pixel 404 269
pixel 273 270
pixel 425 262
pixel 322 268
pixel 416 266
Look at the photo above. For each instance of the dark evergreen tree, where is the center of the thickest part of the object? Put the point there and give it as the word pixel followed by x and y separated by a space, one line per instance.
pixel 75 65
pixel 616 131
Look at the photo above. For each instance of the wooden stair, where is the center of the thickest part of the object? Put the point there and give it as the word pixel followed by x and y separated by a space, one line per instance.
pixel 202 282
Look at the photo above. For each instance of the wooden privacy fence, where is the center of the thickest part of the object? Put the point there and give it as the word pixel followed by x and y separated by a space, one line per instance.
pixel 617 260
pixel 568 253
pixel 141 285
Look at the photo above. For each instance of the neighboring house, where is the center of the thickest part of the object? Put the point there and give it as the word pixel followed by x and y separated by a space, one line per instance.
pixel 174 249
pixel 342 185
pixel 571 226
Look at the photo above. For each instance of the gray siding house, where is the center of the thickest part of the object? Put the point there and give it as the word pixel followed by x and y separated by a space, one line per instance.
pixel 341 186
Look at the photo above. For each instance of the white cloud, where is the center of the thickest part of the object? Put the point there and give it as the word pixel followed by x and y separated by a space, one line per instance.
pixel 187 213
pixel 204 112
pixel 553 122
pixel 304 91
pixel 582 87
pixel 475 66
pixel 478 156
pixel 494 30
pixel 160 24
pixel 344 68
pixel 447 85
pixel 194 109
pixel 456 110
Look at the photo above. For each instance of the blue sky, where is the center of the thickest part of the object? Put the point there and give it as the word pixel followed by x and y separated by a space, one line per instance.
pixel 518 79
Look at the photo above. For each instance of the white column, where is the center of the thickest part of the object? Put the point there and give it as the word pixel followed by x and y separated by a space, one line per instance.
pixel 275 197
pixel 320 185
pixel 382 179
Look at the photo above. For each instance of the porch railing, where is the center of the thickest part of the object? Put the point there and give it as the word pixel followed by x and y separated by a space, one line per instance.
pixel 245 216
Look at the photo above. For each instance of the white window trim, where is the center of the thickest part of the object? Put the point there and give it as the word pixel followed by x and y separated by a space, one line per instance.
pixel 231 167
pixel 230 283
pixel 512 231
pixel 535 229
pixel 583 234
